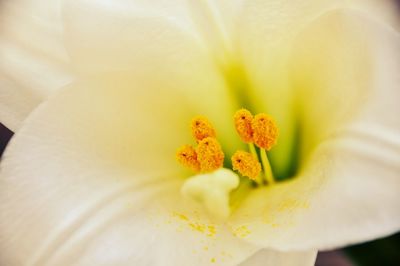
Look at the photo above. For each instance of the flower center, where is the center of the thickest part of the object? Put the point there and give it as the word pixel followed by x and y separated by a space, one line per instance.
pixel 212 184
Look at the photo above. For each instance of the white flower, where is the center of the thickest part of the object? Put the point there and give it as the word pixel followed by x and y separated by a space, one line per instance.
pixel 90 178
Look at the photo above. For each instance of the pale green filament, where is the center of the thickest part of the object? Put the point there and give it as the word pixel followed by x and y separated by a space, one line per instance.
pixel 267 167
pixel 252 149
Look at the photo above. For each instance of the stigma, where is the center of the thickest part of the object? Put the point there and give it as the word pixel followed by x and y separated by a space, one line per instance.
pixel 212 190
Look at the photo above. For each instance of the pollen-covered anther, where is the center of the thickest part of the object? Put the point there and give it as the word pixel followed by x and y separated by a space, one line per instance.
pixel 209 154
pixel 265 131
pixel 187 156
pixel 246 164
pixel 202 128
pixel 243 119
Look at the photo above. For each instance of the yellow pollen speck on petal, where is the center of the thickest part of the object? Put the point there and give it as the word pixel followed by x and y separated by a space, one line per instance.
pixel 265 131
pixel 243 119
pixel 241 231
pixel 209 154
pixel 202 128
pixel 246 164
pixel 208 230
pixel 187 156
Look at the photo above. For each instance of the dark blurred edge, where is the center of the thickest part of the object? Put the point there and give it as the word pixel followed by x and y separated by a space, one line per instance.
pixel 382 252
pixel 5 136
pixel 333 258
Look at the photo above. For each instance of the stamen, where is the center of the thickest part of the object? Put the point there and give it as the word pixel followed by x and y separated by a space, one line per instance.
pixel 246 164
pixel 202 128
pixel 187 156
pixel 243 119
pixel 269 177
pixel 265 131
pixel 209 154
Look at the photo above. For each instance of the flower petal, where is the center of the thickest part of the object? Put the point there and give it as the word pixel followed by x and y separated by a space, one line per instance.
pixel 266 257
pixel 150 48
pixel 265 35
pixel 91 179
pixel 345 72
pixel 349 191
pixel 107 193
pixel 122 35
pixel 33 59
pixel 156 28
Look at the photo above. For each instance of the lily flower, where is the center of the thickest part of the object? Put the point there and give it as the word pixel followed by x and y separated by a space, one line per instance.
pixel 92 176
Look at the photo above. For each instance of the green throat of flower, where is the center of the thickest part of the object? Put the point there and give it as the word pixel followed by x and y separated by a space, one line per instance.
pixel 217 187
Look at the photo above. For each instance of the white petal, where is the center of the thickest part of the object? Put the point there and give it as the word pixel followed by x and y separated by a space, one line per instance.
pixel 267 257
pixel 344 70
pixel 350 190
pixel 265 33
pixel 121 35
pixel 383 10
pixel 150 49
pixel 32 56
pixel 97 31
pixel 90 179
pixel 264 36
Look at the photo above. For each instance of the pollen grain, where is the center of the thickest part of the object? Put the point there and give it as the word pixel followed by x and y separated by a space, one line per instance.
pixel 187 156
pixel 246 164
pixel 202 128
pixel 209 154
pixel 265 131
pixel 243 119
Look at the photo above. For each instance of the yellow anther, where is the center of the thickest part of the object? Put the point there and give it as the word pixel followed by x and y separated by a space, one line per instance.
pixel 186 155
pixel 202 128
pixel 243 119
pixel 209 154
pixel 265 131
pixel 246 164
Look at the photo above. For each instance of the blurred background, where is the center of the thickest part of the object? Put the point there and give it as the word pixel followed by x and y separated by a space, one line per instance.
pixel 382 252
